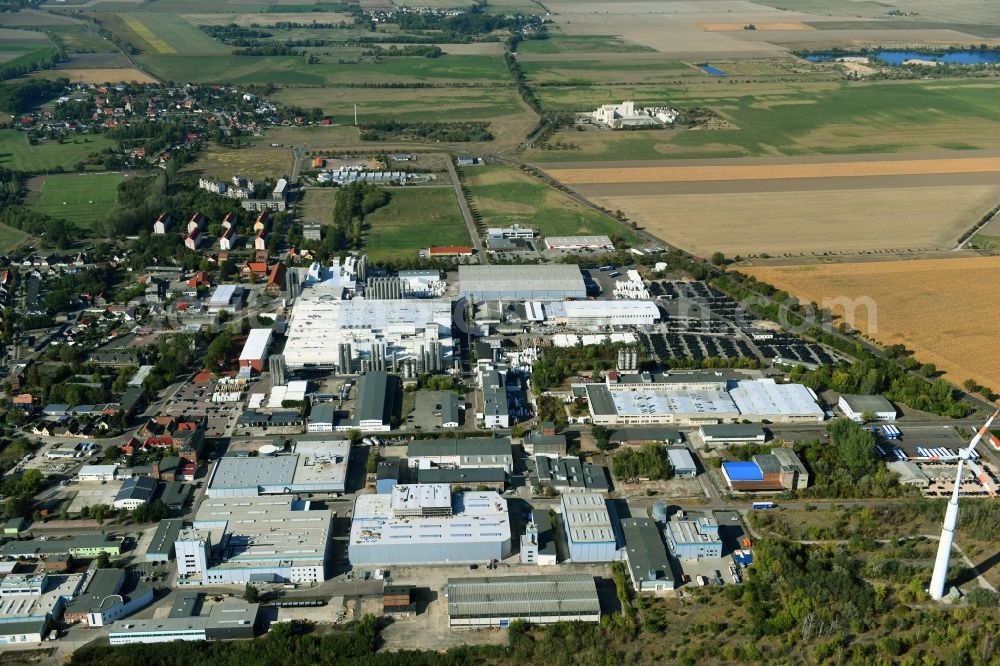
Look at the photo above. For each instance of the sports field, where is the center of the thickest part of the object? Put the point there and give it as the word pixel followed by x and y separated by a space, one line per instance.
pixel 84 199
pixel 940 308
pixel 16 153
pixel 416 217
pixel 504 195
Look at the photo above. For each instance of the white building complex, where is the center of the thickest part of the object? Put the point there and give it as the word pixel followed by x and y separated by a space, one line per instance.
pixel 330 333
pixel 627 115
pixel 314 465
pixel 602 313
pixel 538 282
pixel 259 539
pixel 698 398
pixel 578 243
pixel 427 524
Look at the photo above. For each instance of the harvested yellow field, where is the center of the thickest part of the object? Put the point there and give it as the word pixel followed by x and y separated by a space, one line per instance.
pixel 944 310
pixel 772 25
pixel 129 75
pixel 667 174
pixel 147 35
pixel 807 221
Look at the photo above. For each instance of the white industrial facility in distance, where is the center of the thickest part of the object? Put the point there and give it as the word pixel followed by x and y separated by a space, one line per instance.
pixel 697 398
pixel 427 524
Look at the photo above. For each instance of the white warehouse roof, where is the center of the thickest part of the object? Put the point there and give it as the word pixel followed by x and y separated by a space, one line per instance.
pixel 765 397
pixel 256 345
pixel 542 281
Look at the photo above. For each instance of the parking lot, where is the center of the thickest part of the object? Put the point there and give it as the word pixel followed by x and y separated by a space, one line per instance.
pixel 194 401
pixel 89 493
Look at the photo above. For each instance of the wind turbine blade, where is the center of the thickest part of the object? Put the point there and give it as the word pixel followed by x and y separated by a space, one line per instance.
pixel 933 458
pixel 983 478
pixel 982 431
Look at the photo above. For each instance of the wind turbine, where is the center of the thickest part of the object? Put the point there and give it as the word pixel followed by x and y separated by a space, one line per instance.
pixel 964 457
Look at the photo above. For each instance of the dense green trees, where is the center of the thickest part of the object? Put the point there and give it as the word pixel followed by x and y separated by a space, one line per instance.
pixel 648 462
pixel 18 97
pixel 352 203
pixel 847 465
pixel 388 130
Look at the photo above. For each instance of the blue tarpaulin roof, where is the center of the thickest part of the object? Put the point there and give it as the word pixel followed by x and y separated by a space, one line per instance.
pixel 743 471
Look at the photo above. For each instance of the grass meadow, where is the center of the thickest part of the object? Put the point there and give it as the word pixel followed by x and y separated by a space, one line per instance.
pixel 84 200
pixel 16 153
pixel 415 218
pixel 169 33
pixel 504 195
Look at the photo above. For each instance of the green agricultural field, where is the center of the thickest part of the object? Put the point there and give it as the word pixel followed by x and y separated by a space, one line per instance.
pixel 16 153
pixel 580 44
pixel 415 218
pixel 638 69
pixel 169 33
pixel 78 38
pixel 504 195
pixel 798 119
pixel 294 70
pixel 84 200
pixel 406 105
pixel 16 55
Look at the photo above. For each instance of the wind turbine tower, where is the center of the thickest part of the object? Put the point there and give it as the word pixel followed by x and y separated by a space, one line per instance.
pixel 965 456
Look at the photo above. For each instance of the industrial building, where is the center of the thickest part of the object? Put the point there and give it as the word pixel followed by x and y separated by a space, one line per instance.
pixel 855 407
pixel 312 465
pixel 403 335
pixel 495 411
pixel 683 463
pixel 578 243
pixel 422 283
pixel 108 595
pixel 29 601
pixel 545 282
pixel 693 539
pixel 161 546
pixel 471 453
pixel 81 545
pixel 569 474
pixel 538 543
pixel 646 556
pixel 228 619
pixel 588 314
pixel 97 473
pixel 777 471
pixel 226 298
pixel 255 350
pixel 478 478
pixel 499 600
pixel 589 530
pixel 261 539
pixel 703 398
pixel 732 433
pixel 428 524
pixel 135 491
pixel 374 404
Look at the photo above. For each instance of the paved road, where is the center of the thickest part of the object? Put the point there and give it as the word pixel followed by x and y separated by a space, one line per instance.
pixel 466 213
pixel 298 152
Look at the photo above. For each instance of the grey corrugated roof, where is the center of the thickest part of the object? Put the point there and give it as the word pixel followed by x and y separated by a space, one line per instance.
pixel 733 430
pixel 372 400
pixel 485 446
pixel 516 596
pixel 463 476
pixel 681 459
pixel 137 487
pixel 165 536
pixel 868 403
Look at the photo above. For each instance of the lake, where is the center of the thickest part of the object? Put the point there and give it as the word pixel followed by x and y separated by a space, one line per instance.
pixel 896 58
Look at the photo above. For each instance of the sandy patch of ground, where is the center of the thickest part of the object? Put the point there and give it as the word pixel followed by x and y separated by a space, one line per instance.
pixel 99 75
pixel 769 25
pixel 777 171
pixel 941 309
